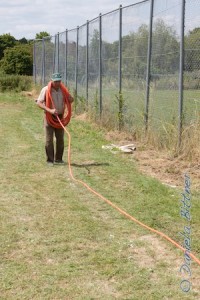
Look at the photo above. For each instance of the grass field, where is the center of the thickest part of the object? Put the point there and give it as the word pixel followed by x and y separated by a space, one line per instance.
pixel 58 241
pixel 163 114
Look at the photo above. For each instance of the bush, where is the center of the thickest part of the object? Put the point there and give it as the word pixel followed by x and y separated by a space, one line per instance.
pixel 18 60
pixel 15 83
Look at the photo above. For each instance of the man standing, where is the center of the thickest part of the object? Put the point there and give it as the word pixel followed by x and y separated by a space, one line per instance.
pixel 56 101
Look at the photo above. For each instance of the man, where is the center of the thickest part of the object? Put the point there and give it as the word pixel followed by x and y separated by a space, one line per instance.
pixel 56 101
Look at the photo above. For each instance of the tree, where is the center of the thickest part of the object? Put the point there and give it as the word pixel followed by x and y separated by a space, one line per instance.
pixel 18 60
pixel 42 35
pixel 23 41
pixel 134 48
pixel 192 50
pixel 94 55
pixel 6 41
pixel 165 49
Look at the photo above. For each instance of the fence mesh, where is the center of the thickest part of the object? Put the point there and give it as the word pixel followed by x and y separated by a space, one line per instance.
pixel 111 54
pixel 93 64
pixel 191 107
pixel 62 54
pixel 164 96
pixel 82 63
pixel 135 32
pixel 110 59
pixel 38 61
pixel 71 58
pixel 49 47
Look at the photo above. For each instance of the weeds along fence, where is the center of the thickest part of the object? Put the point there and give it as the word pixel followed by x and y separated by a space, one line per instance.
pixel 136 68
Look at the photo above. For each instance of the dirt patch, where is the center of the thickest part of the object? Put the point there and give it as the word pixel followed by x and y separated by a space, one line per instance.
pixel 168 170
pixel 155 252
pixel 33 95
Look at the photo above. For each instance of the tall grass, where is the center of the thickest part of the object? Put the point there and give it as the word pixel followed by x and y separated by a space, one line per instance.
pixel 163 127
pixel 191 142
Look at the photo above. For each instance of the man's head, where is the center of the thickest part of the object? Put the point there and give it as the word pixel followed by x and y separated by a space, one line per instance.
pixel 56 80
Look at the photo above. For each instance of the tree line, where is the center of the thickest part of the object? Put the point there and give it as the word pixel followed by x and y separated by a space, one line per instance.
pixel 16 56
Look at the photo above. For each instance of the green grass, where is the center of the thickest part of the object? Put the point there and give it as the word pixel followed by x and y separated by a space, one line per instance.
pixel 58 241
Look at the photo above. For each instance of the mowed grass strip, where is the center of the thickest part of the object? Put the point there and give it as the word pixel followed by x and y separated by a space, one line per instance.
pixel 58 241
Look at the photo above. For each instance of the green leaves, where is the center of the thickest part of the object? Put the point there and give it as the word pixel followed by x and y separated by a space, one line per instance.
pixel 18 60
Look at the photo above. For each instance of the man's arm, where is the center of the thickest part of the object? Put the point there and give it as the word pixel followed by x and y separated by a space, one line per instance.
pixel 42 105
pixel 41 102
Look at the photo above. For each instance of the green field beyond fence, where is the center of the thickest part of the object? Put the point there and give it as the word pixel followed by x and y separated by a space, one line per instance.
pixel 137 68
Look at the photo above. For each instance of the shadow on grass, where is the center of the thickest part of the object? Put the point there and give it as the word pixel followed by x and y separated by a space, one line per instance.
pixel 89 164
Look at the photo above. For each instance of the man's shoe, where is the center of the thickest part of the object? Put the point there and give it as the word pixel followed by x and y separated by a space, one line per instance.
pixel 50 163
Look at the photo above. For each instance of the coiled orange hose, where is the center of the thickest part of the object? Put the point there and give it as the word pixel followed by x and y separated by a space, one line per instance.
pixel 51 119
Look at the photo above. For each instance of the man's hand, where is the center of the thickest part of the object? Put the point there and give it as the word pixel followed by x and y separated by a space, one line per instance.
pixel 53 111
pixel 42 105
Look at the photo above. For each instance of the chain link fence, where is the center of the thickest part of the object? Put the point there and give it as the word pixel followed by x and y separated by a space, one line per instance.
pixel 136 68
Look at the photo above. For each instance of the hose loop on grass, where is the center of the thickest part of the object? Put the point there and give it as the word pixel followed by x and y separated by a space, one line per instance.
pixel 118 208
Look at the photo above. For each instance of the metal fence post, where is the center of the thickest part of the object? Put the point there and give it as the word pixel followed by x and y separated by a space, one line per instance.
pixel 43 61
pixel 120 69
pixel 54 55
pixel 76 65
pixel 148 76
pixel 181 70
pixel 87 59
pixel 58 52
pixel 100 65
pixel 120 50
pixel 66 55
pixel 34 63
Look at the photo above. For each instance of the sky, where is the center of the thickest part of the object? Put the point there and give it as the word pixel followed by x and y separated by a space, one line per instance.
pixel 24 18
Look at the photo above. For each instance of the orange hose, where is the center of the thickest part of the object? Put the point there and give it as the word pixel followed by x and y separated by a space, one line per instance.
pixel 118 208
